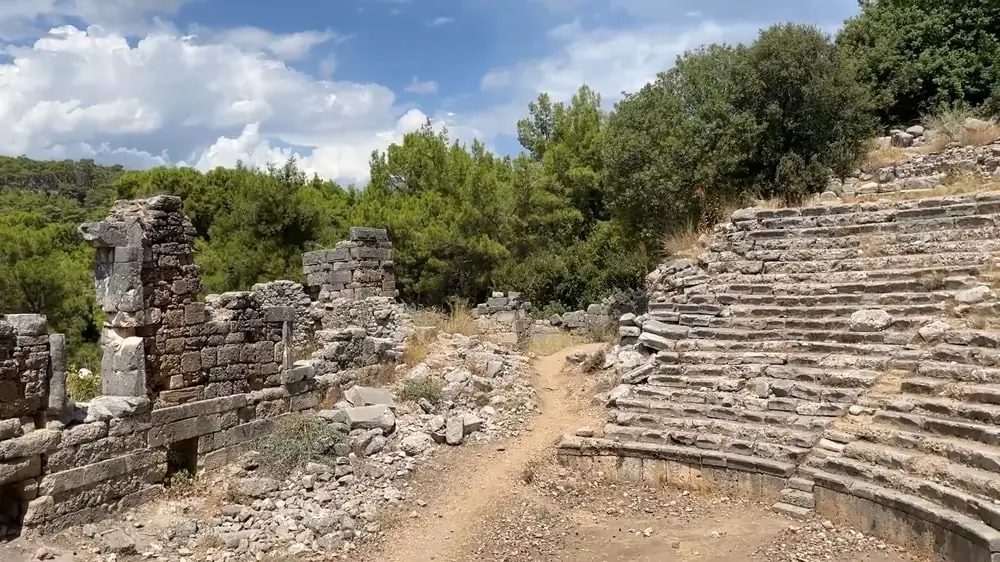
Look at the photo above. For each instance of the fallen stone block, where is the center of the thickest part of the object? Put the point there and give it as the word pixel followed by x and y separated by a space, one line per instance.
pixel 371 417
pixel 368 396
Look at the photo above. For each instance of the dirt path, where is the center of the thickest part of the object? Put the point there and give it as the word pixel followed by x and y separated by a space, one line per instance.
pixel 485 479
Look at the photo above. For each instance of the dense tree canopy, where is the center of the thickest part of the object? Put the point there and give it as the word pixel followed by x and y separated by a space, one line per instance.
pixel 578 215
pixel 772 118
pixel 917 56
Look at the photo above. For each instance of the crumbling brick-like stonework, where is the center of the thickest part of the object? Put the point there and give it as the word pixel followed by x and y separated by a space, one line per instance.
pixel 355 269
pixel 180 376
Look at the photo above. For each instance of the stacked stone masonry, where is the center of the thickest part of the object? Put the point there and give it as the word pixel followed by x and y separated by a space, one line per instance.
pixel 922 173
pixel 843 359
pixel 355 269
pixel 507 319
pixel 186 383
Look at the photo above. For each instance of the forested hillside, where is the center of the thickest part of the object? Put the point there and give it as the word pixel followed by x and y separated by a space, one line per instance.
pixel 579 213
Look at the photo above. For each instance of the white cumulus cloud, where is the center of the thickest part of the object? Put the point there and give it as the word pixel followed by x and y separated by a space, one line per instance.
pixel 87 93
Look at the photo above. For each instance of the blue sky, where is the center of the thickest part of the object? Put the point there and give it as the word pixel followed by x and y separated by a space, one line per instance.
pixel 208 82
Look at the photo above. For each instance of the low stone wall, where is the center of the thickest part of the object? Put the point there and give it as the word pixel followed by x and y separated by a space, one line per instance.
pixel 591 322
pixel 922 172
pixel 186 383
pixel 31 361
pixel 505 319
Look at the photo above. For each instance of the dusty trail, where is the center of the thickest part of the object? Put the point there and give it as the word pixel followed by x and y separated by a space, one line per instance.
pixel 483 480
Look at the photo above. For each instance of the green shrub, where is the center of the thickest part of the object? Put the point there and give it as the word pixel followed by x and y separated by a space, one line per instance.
pixel 422 387
pixel 296 440
pixel 82 388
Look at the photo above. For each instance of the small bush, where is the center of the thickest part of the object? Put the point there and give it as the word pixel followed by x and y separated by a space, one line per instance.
pixel 594 362
pixel 82 387
pixel 416 345
pixel 460 319
pixel 415 389
pixel 296 440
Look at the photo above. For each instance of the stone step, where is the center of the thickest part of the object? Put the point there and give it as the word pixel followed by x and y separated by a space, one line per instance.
pixel 793 511
pixel 576 446
pixel 850 300
pixel 718 403
pixel 835 263
pixel 868 213
pixel 745 430
pixel 962 451
pixel 891 338
pixel 912 279
pixel 967 392
pixel 801 484
pixel 930 466
pixel 871 247
pixel 789 346
pixel 798 498
pixel 819 313
pixel 811 365
pixel 856 225
pixel 817 324
pixel 707 441
pixel 935 406
pixel 930 488
pixel 799 288
pixel 730 413
pixel 759 248
pixel 751 391
pixel 923 498
pixel 713 376
pixel 985 433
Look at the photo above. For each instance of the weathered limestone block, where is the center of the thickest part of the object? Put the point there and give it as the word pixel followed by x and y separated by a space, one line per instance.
pixel 123 365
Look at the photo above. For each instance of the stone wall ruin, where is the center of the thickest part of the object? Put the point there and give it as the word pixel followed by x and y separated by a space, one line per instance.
pixel 186 382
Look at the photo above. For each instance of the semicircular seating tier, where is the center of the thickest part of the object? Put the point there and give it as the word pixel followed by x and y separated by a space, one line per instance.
pixel 843 359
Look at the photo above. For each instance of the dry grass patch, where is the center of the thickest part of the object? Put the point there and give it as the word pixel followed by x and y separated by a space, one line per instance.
pixel 547 344
pixel 684 243
pixel 882 156
pixel 415 348
pixel 382 374
pixel 457 320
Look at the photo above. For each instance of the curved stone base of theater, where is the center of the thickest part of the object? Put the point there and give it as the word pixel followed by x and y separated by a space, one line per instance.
pixel 919 525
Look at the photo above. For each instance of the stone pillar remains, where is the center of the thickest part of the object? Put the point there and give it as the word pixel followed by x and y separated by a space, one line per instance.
pixel 144 276
pixel 354 269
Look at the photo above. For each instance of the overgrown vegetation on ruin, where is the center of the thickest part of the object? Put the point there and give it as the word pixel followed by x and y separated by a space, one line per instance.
pixel 594 200
pixel 297 439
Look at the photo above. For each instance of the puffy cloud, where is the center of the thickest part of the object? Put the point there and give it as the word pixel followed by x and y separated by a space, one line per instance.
pixel 89 93
pixel 20 18
pixel 285 46
pixel 609 60
pixel 344 157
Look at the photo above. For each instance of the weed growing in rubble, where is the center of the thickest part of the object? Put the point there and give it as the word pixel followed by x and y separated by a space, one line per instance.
pixel 82 385
pixel 296 440
pixel 422 387
pixel 594 362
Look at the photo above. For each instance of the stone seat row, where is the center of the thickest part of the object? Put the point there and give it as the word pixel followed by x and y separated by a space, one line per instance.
pixel 887 248
pixel 891 262
pixel 803 244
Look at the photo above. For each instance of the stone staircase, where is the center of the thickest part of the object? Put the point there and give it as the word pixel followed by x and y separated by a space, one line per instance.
pixel 831 348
